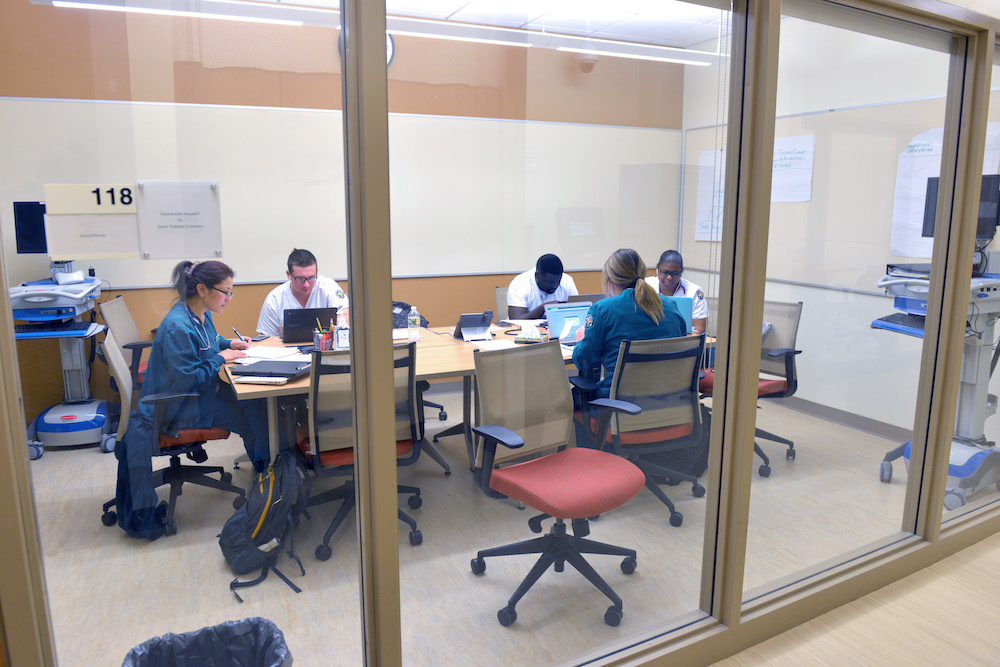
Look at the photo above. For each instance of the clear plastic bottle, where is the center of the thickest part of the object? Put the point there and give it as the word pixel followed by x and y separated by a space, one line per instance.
pixel 413 323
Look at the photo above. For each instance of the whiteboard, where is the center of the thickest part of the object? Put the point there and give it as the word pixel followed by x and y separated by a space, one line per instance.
pixel 467 195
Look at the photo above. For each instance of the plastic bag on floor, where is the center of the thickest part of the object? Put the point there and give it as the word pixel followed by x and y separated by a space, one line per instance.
pixel 253 642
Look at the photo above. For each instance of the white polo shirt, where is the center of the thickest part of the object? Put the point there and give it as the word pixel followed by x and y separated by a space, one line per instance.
pixel 699 307
pixel 326 293
pixel 523 291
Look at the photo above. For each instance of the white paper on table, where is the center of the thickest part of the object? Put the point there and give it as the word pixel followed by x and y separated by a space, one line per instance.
pixel 403 334
pixel 524 323
pixel 270 352
pixel 494 344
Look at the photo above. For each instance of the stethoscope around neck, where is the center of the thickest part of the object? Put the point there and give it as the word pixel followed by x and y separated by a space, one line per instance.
pixel 203 334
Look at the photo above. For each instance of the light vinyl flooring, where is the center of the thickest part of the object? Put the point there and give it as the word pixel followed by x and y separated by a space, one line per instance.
pixel 109 593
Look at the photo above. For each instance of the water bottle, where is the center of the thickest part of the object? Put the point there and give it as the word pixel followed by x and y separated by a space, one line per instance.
pixel 413 323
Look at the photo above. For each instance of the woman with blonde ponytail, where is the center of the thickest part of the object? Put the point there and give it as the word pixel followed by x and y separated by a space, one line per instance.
pixel 633 311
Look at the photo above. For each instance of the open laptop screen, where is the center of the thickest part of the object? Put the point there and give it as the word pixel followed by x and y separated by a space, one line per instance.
pixel 298 323
pixel 565 319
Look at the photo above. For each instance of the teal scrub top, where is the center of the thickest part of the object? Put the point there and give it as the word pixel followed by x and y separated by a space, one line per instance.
pixel 618 318
pixel 185 358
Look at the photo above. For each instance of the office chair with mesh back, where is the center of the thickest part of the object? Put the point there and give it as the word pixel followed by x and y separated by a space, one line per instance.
pixel 328 443
pixel 183 442
pixel 777 364
pixel 501 296
pixel 526 406
pixel 400 310
pixel 660 376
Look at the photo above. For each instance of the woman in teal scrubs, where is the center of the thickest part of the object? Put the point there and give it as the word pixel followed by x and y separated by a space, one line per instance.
pixel 187 353
pixel 633 311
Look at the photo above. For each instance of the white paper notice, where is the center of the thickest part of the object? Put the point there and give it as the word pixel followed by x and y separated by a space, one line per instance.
pixel 792 167
pixel 711 190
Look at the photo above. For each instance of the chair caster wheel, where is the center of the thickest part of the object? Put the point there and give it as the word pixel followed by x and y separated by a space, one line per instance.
pixel 698 490
pixel 323 552
pixel 416 537
pixel 628 565
pixel 108 443
pixel 226 477
pixel 613 616
pixel 238 502
pixel 171 528
pixel 35 450
pixel 790 455
pixel 676 519
pixel 109 518
pixel 443 416
pixel 478 565
pixel 414 502
pixel 506 616
pixel 885 472
pixel 764 470
pixel 535 524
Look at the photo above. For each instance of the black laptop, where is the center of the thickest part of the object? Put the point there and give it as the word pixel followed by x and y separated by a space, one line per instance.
pixel 299 323
pixel 275 368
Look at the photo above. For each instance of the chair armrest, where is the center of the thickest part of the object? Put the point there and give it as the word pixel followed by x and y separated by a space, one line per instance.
pixel 790 377
pixel 608 408
pixel 499 434
pixel 162 423
pixel 160 398
pixel 492 434
pixel 782 352
pixel 582 383
pixel 133 367
pixel 613 405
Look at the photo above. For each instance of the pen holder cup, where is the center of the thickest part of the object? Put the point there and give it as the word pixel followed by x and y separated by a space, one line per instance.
pixel 322 340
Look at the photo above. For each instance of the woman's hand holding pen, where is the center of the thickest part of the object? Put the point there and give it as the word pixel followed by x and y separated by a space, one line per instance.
pixel 240 342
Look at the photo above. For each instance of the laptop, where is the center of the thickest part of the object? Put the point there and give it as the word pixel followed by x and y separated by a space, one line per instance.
pixel 565 319
pixel 685 306
pixel 273 368
pixel 299 323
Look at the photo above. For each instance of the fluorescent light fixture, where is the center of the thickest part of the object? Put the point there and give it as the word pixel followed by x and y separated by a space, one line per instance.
pixel 152 8
pixel 635 56
pixel 457 38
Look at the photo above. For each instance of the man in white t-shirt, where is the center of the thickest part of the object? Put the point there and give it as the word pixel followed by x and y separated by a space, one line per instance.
pixel 305 289
pixel 530 291
pixel 668 282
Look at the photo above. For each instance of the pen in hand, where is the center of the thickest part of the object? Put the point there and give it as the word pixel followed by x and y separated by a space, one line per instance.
pixel 245 340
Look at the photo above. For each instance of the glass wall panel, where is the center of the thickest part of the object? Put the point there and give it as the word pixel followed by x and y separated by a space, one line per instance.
pixel 973 472
pixel 858 135
pixel 247 115
pixel 576 131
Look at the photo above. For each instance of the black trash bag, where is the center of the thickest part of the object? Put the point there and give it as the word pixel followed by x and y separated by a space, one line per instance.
pixel 252 642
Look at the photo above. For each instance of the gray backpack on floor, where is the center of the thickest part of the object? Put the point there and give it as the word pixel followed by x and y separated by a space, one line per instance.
pixel 262 528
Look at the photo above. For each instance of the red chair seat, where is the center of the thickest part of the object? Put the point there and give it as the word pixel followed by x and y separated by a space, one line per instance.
pixel 765 387
pixel 190 435
pixel 642 437
pixel 571 484
pixel 345 457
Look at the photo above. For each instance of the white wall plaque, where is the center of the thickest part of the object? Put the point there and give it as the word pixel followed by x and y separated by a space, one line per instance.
pixel 179 219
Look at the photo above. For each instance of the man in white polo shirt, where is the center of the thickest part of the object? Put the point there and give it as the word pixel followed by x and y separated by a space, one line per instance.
pixel 530 291
pixel 668 282
pixel 305 289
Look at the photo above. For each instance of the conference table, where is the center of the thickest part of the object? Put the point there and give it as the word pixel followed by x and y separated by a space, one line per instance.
pixel 440 356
